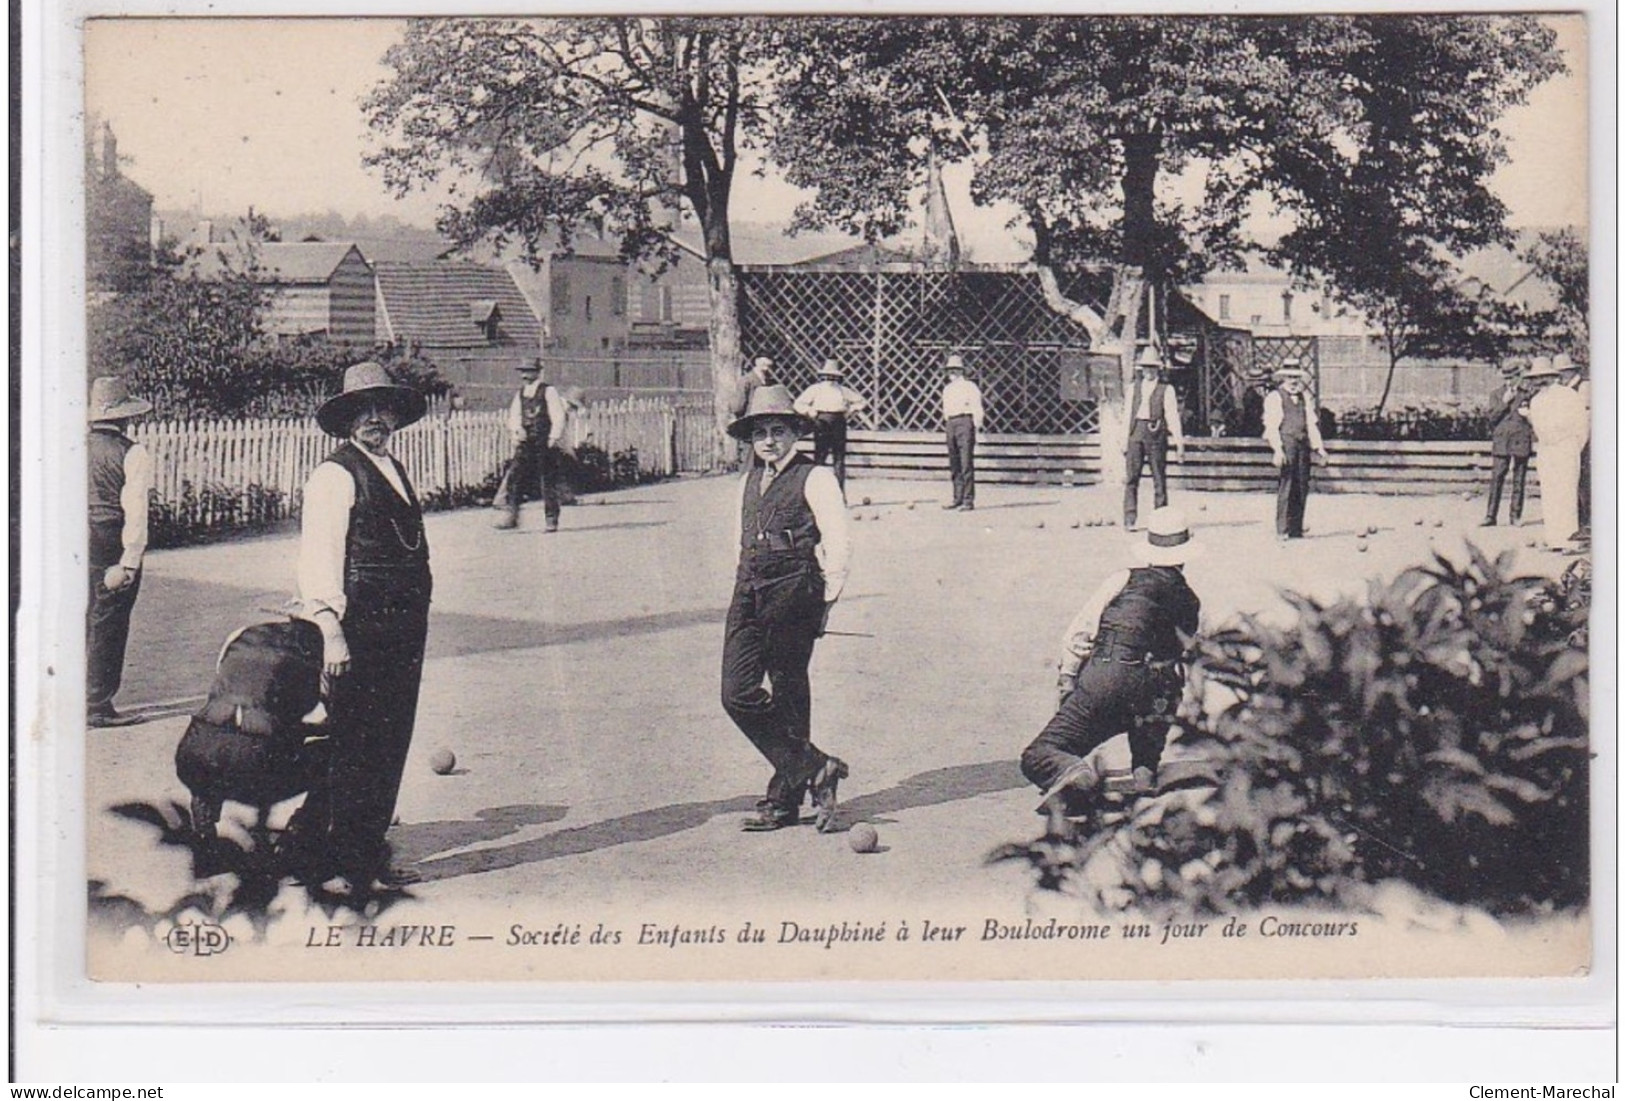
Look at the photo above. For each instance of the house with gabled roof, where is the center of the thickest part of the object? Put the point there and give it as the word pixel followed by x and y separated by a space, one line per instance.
pixel 470 320
pixel 317 288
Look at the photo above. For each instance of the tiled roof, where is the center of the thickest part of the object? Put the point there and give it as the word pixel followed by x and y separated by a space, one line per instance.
pixel 435 304
pixel 281 262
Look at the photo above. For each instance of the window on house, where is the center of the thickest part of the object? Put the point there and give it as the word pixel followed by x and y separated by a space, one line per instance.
pixel 617 297
pixel 1224 307
pixel 586 307
pixel 666 305
pixel 561 293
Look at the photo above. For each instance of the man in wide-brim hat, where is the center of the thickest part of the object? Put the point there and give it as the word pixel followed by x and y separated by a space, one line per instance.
pixel 1121 670
pixel 1153 423
pixel 120 485
pixel 1292 429
pixel 793 557
pixel 1562 425
pixel 828 403
pixel 535 427
pixel 364 580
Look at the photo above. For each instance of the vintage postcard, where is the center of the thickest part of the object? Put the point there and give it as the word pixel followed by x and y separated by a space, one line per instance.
pixel 743 498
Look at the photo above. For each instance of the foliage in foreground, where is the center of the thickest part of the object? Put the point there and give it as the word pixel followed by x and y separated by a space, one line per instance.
pixel 1435 733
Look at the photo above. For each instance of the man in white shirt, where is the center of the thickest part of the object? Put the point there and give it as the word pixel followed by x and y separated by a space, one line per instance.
pixel 962 414
pixel 1562 425
pixel 1153 420
pixel 1292 429
pixel 364 580
pixel 120 488
pixel 535 426
pixel 794 552
pixel 827 403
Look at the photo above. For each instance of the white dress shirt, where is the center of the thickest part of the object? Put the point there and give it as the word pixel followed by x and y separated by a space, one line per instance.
pixel 134 499
pixel 829 396
pixel 828 504
pixel 1170 409
pixel 1559 417
pixel 325 529
pixel 961 398
pixel 555 413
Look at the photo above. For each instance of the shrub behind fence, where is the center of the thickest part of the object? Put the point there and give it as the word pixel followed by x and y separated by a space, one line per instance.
pixel 212 476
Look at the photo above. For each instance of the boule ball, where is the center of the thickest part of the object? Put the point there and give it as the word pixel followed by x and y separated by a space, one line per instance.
pixel 1438 523
pixel 911 506
pixel 1420 521
pixel 1076 524
pixel 1362 546
pixel 867 501
pixel 443 761
pixel 1040 523
pixel 863 838
pixel 1372 530
pixel 856 516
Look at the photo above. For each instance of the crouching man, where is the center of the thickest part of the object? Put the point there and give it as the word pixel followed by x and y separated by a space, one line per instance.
pixel 1121 672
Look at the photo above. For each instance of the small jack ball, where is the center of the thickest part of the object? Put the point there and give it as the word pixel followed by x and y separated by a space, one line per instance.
pixel 867 501
pixel 863 838
pixel 443 761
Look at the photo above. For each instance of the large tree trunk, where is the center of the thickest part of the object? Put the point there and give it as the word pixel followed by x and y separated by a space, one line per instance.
pixel 723 283
pixel 1127 291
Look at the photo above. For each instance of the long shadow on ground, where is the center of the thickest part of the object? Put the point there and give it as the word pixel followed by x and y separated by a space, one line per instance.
pixel 942 785
pixel 418 840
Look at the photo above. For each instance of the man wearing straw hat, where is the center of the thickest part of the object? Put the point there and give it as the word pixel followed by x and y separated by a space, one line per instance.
pixel 1292 429
pixel 793 556
pixel 1153 420
pixel 535 425
pixel 1512 441
pixel 827 403
pixel 364 580
pixel 120 487
pixel 1562 427
pixel 1121 671
pixel 962 416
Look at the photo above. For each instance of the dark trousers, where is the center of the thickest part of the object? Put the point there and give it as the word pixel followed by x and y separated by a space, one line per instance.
pixel 829 443
pixel 1585 488
pixel 962 458
pixel 1144 445
pixel 107 632
pixel 1292 489
pixel 773 622
pixel 1519 466
pixel 1111 698
pixel 533 467
pixel 371 713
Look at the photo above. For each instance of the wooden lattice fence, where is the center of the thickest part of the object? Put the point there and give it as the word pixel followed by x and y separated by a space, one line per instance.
pixel 892 326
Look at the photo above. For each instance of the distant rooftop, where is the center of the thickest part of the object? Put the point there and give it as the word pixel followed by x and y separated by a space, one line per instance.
pixel 445 303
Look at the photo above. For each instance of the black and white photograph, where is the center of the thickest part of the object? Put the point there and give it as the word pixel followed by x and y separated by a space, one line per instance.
pixel 739 497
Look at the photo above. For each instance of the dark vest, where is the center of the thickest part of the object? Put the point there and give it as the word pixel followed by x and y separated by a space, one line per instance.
pixel 106 450
pixel 533 414
pixel 1150 611
pixel 777 531
pixel 1157 421
pixel 1294 416
pixel 386 556
pixel 1513 434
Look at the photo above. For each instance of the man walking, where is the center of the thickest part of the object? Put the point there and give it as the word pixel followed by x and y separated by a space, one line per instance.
pixel 962 414
pixel 827 403
pixel 1292 429
pixel 1153 419
pixel 535 425
pixel 1512 441
pixel 364 579
pixel 793 555
pixel 1562 425
pixel 120 488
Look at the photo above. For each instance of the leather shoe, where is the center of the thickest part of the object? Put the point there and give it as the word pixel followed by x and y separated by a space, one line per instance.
pixel 1073 791
pixel 108 717
pixel 770 817
pixel 824 784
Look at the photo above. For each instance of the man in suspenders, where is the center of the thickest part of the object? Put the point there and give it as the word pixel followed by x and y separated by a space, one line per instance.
pixel 1153 419
pixel 535 424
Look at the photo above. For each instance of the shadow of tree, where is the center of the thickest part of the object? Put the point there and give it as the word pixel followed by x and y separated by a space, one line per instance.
pixel 415 841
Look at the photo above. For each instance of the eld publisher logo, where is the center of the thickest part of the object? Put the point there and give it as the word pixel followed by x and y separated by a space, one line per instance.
pixel 199 939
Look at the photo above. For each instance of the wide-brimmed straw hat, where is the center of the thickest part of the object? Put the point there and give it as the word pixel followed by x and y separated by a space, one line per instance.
pixel 1149 357
pixel 1291 367
pixel 831 369
pixel 110 400
pixel 768 401
pixel 1542 367
pixel 956 362
pixel 535 363
pixel 363 383
pixel 1168 539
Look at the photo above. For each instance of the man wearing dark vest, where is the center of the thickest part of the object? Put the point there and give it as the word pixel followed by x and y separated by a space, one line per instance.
pixel 364 580
pixel 1292 429
pixel 120 485
pixel 793 556
pixel 828 403
pixel 1121 672
pixel 535 425
pixel 1153 419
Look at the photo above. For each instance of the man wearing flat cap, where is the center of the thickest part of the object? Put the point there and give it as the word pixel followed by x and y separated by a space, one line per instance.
pixel 535 426
pixel 1153 422
pixel 827 403
pixel 793 556
pixel 364 580
pixel 1292 429
pixel 120 487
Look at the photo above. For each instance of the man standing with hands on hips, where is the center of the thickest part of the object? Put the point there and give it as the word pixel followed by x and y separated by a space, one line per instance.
pixel 1153 419
pixel 535 425
pixel 1292 429
pixel 120 485
pixel 962 414
pixel 364 580
pixel 827 403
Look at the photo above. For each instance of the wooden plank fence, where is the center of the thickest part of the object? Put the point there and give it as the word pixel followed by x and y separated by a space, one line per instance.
pixel 217 474
pixel 1357 466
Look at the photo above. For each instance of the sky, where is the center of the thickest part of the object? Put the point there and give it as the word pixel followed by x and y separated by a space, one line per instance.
pixel 225 114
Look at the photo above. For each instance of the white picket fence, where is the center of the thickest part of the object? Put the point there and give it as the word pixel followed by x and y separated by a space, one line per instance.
pixel 216 474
